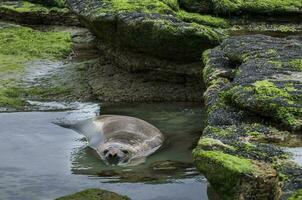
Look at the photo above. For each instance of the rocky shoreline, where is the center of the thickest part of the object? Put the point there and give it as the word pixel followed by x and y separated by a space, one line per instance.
pixel 251 80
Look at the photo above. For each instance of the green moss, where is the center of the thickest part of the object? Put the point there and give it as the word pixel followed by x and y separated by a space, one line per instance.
pixel 266 98
pixel 46 93
pixel 223 171
pixel 202 19
pixel 213 144
pixel 219 131
pixel 146 6
pixel 268 88
pixel 297 195
pixel 10 63
pixel 94 194
pixel 296 64
pixel 278 64
pixel 31 44
pixel 19 45
pixel 25 6
pixel 10 97
pixel 254 134
pixel 256 6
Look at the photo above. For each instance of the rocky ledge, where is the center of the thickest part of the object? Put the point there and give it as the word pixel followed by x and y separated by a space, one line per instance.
pixel 34 13
pixel 150 35
pixel 254 105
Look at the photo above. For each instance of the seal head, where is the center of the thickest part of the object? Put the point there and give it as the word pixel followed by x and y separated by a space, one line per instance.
pixel 116 153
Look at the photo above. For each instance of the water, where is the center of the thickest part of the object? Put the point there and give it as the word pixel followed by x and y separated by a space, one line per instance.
pixel 40 160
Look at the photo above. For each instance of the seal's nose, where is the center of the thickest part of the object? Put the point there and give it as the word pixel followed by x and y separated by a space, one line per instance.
pixel 112 155
pixel 113 158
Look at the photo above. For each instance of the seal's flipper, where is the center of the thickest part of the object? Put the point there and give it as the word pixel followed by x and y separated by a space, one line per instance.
pixel 91 131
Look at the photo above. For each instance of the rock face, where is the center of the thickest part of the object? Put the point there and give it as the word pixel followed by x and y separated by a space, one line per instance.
pixel 254 103
pixel 150 35
pixel 25 12
pixel 94 194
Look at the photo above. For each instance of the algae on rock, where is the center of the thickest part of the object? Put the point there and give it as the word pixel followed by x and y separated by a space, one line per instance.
pixel 253 106
pixel 94 194
pixel 26 12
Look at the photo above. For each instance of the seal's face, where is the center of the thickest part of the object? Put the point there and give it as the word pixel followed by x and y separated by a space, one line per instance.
pixel 116 153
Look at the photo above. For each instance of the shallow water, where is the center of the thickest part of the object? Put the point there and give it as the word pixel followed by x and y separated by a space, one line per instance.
pixel 40 160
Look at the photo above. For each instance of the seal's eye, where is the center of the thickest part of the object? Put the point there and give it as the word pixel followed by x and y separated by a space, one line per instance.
pixel 106 151
pixel 125 151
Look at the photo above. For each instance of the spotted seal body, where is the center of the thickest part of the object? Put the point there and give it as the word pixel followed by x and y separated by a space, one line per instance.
pixel 121 140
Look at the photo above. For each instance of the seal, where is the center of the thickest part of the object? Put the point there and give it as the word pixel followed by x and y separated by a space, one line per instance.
pixel 121 140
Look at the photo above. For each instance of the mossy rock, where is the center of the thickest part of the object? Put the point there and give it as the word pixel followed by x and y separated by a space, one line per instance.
pixel 244 7
pixel 94 194
pixel 253 101
pixel 237 178
pixel 26 12
pixel 157 28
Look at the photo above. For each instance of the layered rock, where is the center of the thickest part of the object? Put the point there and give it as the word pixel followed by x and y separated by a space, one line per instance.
pixel 254 103
pixel 25 12
pixel 150 35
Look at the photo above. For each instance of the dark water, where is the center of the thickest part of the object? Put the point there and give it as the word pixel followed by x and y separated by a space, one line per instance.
pixel 40 160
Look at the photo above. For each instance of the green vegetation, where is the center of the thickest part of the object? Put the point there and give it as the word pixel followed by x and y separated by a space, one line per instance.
pixel 224 171
pixel 268 88
pixel 202 19
pixel 19 45
pixel 26 6
pixel 94 194
pixel 162 7
pixel 255 6
pixel 296 64
pixel 213 144
pixel 296 196
pixel 268 91
pixel 30 44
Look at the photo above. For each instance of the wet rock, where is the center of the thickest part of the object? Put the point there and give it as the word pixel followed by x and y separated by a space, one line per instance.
pixel 94 194
pixel 25 12
pixel 253 98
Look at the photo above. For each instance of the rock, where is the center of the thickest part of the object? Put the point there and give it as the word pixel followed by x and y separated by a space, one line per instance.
pixel 153 35
pixel 94 194
pixel 238 178
pixel 25 12
pixel 269 7
pixel 50 3
pixel 253 98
